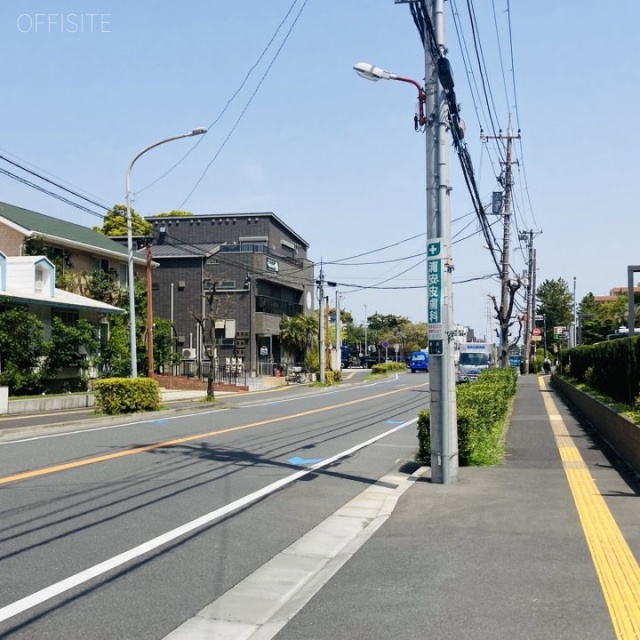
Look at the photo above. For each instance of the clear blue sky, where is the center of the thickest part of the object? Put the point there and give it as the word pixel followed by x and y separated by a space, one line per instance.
pixel 334 156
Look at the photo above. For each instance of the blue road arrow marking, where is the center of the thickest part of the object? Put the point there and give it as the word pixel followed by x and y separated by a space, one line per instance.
pixel 302 461
pixel 394 421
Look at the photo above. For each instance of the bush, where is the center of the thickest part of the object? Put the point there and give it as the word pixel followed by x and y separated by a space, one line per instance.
pixel 482 408
pixel 332 377
pixel 126 395
pixel 383 368
pixel 424 436
pixel 613 368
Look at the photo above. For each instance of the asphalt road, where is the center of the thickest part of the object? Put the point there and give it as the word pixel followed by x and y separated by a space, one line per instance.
pixel 127 529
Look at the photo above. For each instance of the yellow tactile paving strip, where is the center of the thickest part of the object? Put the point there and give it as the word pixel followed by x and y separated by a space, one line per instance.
pixel 615 564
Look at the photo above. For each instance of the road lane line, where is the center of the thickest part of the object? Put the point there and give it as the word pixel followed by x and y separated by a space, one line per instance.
pixel 43 595
pixel 108 427
pixel 615 564
pixel 35 473
pixel 265 601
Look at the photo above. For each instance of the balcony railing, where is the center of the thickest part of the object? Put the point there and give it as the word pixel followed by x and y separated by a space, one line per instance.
pixel 258 248
pixel 275 306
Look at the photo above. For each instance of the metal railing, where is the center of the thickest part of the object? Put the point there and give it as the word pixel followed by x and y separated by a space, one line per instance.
pixel 276 306
pixel 223 374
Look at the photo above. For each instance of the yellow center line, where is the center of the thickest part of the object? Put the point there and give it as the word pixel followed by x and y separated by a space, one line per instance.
pixel 25 475
pixel 615 564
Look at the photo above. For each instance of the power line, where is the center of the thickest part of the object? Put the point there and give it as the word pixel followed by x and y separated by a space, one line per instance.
pixel 229 101
pixel 389 246
pixel 50 193
pixel 244 110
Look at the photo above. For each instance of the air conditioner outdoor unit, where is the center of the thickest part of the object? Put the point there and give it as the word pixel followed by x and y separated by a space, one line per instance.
pixel 188 354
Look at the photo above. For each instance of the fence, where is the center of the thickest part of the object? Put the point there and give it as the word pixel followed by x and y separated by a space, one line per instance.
pixel 226 374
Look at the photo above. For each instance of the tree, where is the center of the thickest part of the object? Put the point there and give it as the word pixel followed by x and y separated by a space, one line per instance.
pixel 115 223
pixel 556 304
pixel 297 334
pixel 22 350
pixel 65 277
pixel 115 357
pixel 174 214
pixel 163 341
pixel 216 308
pixel 70 347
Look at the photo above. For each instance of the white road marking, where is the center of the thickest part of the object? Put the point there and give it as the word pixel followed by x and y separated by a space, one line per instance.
pixel 76 432
pixel 43 595
pixel 261 605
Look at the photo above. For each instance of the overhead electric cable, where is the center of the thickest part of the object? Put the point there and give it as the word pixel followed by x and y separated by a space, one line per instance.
pixel 229 101
pixel 244 110
pixel 50 193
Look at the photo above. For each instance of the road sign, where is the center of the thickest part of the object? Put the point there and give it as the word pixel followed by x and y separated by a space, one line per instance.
pixel 385 345
pixel 434 295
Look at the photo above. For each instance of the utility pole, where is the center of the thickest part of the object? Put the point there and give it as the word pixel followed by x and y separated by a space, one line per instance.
pixel 366 326
pixel 530 313
pixel 338 327
pixel 323 318
pixel 320 283
pixel 149 314
pixel 444 428
pixel 574 330
pixel 508 289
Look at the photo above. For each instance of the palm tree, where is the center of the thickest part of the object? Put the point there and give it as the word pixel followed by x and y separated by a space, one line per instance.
pixel 296 334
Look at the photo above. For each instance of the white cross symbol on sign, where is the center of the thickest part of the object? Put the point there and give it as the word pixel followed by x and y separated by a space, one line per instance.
pixel 433 249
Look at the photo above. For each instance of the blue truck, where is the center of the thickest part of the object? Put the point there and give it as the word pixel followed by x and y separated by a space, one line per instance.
pixel 419 361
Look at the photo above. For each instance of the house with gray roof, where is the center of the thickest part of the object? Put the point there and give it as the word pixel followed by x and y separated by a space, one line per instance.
pixel 258 268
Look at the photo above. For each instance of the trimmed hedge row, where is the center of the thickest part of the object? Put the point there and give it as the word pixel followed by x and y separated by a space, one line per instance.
pixel 482 408
pixel 126 395
pixel 610 367
pixel 388 367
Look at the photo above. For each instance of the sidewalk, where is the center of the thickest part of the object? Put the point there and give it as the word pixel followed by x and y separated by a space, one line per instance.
pixel 502 553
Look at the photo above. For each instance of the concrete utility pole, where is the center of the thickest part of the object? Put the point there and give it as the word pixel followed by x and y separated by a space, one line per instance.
pixel 444 428
pixel 323 317
pixel 149 314
pixel 574 329
pixel 508 290
pixel 338 327
pixel 530 313
pixel 320 283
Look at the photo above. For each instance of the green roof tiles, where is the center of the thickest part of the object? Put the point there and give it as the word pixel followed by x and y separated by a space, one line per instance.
pixel 50 226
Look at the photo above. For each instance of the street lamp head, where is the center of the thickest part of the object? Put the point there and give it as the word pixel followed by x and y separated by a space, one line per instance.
pixel 371 72
pixel 198 132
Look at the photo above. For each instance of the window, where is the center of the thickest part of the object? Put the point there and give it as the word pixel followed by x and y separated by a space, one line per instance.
pixel 69 317
pixel 100 264
pixel 227 284
pixel 39 279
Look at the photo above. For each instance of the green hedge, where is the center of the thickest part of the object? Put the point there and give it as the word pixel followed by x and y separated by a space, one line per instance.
pixel 482 408
pixel 126 395
pixel 610 367
pixel 387 367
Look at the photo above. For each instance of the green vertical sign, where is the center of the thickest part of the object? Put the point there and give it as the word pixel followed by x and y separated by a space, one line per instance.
pixel 434 295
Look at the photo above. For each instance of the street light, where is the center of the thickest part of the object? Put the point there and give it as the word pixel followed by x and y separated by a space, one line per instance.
pixel 373 73
pixel 132 309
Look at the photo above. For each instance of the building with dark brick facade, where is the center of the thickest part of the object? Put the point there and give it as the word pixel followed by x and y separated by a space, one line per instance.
pixel 251 266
